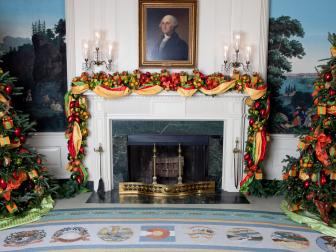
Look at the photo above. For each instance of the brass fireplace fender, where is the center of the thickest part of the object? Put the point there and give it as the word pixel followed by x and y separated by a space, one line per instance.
pixel 132 188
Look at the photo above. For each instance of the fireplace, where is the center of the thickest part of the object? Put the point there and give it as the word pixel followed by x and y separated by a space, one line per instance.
pixel 229 109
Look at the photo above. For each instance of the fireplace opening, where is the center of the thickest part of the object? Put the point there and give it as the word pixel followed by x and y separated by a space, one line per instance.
pixel 212 130
pixel 176 156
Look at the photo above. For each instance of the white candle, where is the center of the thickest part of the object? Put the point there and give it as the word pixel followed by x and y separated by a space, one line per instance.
pixel 97 39
pixel 237 42
pixel 86 50
pixel 226 49
pixel 110 47
pixel 248 53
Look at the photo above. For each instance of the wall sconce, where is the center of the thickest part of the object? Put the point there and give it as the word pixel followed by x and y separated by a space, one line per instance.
pixel 237 62
pixel 96 59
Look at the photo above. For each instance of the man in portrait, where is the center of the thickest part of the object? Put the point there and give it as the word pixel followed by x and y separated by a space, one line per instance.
pixel 170 46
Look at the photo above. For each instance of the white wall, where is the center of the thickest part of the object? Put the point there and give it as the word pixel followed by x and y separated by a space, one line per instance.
pixel 118 21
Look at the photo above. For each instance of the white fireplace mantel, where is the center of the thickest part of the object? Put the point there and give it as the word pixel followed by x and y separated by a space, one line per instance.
pixel 229 108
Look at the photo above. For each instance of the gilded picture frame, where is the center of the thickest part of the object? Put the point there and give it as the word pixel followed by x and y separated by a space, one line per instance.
pixel 167 33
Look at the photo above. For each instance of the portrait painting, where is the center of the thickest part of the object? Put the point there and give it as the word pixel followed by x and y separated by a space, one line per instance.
pixel 167 33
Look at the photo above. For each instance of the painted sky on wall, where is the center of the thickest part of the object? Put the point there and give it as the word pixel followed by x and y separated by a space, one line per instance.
pixel 16 16
pixel 317 18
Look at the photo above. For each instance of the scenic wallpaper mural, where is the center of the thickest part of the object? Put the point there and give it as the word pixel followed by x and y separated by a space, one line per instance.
pixel 32 48
pixel 298 32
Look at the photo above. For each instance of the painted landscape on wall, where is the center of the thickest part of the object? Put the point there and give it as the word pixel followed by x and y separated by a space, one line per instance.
pixel 32 48
pixel 298 32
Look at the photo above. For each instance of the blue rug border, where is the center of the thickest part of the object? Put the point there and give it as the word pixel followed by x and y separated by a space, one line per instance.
pixel 166 208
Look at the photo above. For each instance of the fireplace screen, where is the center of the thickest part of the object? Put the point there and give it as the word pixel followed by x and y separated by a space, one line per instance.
pixel 187 153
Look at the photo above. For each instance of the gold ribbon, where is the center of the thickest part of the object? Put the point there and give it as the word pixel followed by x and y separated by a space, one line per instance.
pixel 333 51
pixel 186 92
pixel 76 137
pixel 3 99
pixel 258 145
pixel 79 89
pixel 255 94
pixel 107 93
pixel 220 89
pixel 149 91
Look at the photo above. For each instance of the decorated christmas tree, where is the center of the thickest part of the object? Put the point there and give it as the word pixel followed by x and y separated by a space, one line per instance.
pixel 310 179
pixel 23 178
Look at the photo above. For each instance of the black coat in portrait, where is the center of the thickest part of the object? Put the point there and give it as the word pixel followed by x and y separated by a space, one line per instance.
pixel 175 49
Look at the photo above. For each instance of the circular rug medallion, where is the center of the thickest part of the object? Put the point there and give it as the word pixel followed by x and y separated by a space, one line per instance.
pixel 24 238
pixel 290 240
pixel 201 232
pixel 327 243
pixel 115 233
pixel 243 234
pixel 70 234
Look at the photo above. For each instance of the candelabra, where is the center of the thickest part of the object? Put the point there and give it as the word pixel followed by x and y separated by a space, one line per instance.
pixel 96 60
pixel 237 62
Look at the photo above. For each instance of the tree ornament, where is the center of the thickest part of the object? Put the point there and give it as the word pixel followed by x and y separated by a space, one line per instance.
pixel 3 184
pixel 17 132
pixel 306 184
pixel 332 92
pixel 323 180
pixel 7 161
pixel 251 121
pixel 8 89
pixel 38 160
pixel 73 176
pixel 327 77
pixel 7 122
pixel 22 139
pixel 18 161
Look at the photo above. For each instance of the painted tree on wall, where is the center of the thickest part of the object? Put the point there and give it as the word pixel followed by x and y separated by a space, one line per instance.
pixel 281 47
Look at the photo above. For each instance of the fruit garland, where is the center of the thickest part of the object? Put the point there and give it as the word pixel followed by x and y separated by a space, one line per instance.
pixel 145 83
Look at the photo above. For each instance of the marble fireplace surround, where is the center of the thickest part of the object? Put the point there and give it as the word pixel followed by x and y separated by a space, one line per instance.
pixel 229 108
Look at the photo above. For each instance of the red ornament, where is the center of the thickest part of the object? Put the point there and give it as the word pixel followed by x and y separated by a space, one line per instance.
pixel 251 122
pixel 17 132
pixel 79 180
pixel 306 184
pixel 247 157
pixel 263 112
pixel 72 104
pixel 22 139
pixel 3 184
pixel 323 180
pixel 332 92
pixel 250 162
pixel 39 161
pixel 8 89
pixel 257 105
pixel 328 77
pixel 71 119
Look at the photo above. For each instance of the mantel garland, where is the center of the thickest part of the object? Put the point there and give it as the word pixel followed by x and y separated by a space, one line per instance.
pixel 121 84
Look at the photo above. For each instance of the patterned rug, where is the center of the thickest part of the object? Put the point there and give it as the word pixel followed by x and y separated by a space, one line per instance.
pixel 163 229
